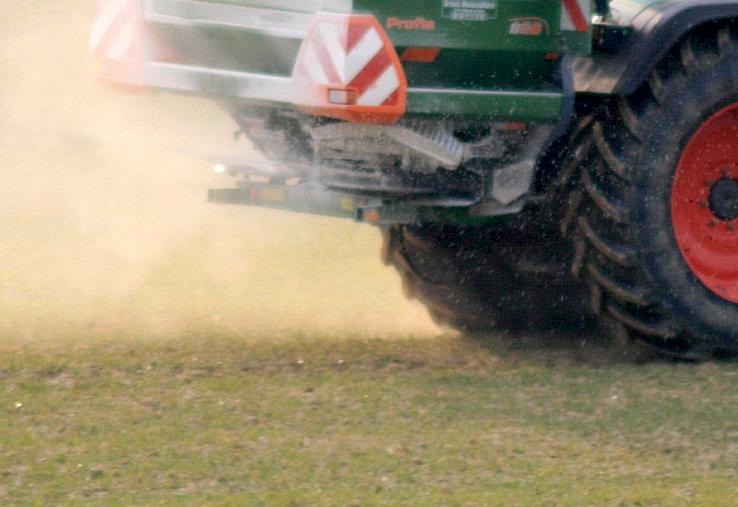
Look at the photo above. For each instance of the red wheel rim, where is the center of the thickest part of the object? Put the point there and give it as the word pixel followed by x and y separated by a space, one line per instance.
pixel 705 227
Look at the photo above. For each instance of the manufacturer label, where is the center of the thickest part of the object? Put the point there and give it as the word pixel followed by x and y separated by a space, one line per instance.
pixel 470 10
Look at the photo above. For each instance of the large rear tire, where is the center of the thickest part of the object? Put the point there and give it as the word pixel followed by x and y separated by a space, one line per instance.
pixel 654 218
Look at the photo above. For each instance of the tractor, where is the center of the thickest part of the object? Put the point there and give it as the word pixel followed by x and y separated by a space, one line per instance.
pixel 530 163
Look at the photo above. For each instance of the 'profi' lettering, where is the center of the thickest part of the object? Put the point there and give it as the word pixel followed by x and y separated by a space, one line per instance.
pixel 411 24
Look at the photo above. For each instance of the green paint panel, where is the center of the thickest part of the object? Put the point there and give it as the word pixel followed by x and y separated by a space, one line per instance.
pixel 520 106
pixel 489 29
pixel 482 69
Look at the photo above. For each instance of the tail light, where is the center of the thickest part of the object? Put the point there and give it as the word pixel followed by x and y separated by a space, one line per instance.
pixel 347 68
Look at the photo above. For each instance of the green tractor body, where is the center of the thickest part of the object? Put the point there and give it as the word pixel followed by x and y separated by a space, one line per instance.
pixel 478 134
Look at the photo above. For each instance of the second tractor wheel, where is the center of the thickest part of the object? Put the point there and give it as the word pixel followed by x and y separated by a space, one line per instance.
pixel 466 280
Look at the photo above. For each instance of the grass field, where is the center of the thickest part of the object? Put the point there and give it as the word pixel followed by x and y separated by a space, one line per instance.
pixel 157 350
pixel 355 421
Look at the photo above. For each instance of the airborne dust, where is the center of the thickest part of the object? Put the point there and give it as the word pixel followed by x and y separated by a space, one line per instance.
pixel 103 225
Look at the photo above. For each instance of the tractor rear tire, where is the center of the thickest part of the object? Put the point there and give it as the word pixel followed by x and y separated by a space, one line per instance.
pixel 461 276
pixel 654 214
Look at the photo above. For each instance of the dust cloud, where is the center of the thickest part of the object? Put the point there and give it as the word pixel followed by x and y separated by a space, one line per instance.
pixel 103 225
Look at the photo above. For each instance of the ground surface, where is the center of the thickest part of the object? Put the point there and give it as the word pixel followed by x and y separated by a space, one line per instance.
pixel 157 350
pixel 314 421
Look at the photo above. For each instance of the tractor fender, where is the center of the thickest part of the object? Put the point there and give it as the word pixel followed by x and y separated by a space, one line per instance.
pixel 655 30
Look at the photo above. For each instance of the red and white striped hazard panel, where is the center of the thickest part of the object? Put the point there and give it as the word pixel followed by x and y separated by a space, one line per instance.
pixel 575 15
pixel 348 68
pixel 116 40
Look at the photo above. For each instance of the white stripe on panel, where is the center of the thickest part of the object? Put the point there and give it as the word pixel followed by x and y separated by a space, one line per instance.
pixel 362 53
pixel 566 22
pixel 124 42
pixel 312 64
pixel 332 39
pixel 104 21
pixel 586 6
pixel 381 89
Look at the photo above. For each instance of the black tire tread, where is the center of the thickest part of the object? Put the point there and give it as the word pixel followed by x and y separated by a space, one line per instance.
pixel 613 162
pixel 659 330
pixel 470 289
pixel 618 253
pixel 610 207
pixel 634 295
pixel 605 253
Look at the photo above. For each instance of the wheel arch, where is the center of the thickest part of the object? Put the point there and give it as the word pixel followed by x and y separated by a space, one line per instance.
pixel 656 31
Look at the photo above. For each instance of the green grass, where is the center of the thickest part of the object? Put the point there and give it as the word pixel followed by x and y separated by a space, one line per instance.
pixel 308 421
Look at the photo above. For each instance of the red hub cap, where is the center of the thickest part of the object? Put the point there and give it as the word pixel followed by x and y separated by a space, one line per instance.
pixel 704 203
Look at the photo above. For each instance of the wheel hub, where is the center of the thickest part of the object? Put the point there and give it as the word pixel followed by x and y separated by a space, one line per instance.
pixel 724 199
pixel 704 203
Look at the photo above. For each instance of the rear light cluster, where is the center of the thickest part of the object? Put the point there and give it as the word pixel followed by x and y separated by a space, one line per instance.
pixel 341 96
